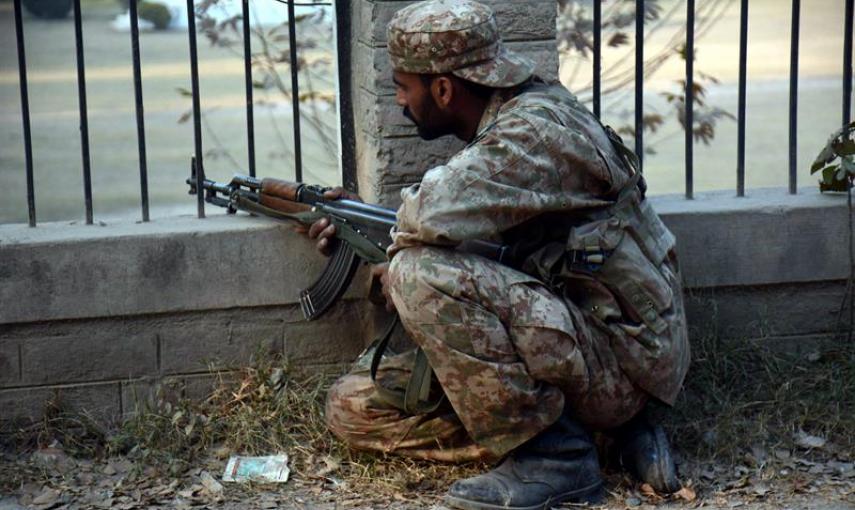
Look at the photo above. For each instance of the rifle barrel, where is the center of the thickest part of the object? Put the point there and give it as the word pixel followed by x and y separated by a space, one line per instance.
pixel 374 210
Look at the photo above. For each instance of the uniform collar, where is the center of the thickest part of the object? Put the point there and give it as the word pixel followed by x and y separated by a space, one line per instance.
pixel 497 100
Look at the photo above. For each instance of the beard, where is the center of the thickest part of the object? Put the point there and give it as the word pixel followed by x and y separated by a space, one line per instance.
pixel 430 127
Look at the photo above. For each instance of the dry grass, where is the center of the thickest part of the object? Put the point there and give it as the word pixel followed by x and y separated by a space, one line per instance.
pixel 270 408
pixel 742 394
pixel 739 395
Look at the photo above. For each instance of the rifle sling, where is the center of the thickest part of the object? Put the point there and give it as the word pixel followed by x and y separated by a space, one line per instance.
pixel 415 399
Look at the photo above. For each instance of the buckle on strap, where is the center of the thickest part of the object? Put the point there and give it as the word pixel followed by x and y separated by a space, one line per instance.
pixel 590 259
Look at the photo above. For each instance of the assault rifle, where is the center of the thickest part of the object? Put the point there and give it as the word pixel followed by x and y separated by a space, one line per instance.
pixel 362 230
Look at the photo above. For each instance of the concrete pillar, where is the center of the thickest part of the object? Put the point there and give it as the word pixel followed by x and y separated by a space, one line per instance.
pixel 389 155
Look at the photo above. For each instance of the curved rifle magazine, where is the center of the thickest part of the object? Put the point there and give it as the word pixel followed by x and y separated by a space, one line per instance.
pixel 316 299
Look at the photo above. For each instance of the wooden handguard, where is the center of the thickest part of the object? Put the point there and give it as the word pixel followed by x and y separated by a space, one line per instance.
pixel 281 204
pixel 279 188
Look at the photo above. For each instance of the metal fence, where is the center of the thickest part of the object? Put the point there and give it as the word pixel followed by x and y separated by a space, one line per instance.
pixel 197 166
pixel 743 52
pixel 343 22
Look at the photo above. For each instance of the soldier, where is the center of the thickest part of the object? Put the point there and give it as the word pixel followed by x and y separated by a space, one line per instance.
pixel 577 335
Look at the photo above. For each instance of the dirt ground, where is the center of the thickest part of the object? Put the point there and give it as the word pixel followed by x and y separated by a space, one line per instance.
pixel 50 479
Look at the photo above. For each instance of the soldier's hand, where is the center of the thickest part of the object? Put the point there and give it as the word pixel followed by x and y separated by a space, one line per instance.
pixel 338 193
pixel 380 272
pixel 322 230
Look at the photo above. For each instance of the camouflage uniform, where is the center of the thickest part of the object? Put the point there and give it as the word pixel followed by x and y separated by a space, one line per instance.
pixel 512 347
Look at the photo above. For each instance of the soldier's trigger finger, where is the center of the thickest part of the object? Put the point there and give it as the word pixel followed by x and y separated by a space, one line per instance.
pixel 323 246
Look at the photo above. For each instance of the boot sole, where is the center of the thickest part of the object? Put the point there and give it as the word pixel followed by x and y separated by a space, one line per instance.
pixel 592 494
pixel 667 470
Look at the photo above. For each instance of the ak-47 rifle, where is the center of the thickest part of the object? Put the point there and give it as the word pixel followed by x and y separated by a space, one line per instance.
pixel 362 230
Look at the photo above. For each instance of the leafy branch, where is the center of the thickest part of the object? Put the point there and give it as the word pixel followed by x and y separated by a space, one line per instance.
pixel 575 35
pixel 836 161
pixel 271 62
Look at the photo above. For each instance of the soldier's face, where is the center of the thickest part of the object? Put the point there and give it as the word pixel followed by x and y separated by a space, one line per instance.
pixel 416 99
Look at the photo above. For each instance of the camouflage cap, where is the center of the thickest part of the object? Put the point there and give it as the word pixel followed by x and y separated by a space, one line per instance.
pixel 454 36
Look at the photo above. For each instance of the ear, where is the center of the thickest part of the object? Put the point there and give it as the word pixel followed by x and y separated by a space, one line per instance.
pixel 442 90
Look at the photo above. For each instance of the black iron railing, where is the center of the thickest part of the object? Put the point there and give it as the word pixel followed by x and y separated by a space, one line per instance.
pixel 689 84
pixel 197 163
pixel 346 121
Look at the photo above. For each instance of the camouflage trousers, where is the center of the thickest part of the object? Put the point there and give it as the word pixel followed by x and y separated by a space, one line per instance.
pixel 508 353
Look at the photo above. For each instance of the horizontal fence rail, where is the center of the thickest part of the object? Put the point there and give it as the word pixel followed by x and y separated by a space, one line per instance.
pixel 346 120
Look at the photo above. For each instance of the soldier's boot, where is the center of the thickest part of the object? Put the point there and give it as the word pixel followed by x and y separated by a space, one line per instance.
pixel 644 452
pixel 559 464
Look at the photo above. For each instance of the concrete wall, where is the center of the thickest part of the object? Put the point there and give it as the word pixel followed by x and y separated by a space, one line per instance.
pixel 91 314
pixel 389 155
pixel 94 314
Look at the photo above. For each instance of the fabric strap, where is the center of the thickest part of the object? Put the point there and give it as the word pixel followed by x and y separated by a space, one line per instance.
pixel 415 399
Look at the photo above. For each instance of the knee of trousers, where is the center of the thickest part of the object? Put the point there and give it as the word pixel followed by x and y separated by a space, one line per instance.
pixel 407 275
pixel 346 411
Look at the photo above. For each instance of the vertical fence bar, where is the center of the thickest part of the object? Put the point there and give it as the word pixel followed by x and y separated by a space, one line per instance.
pixel 598 49
pixel 25 114
pixel 639 82
pixel 690 97
pixel 847 63
pixel 794 92
pixel 84 118
pixel 743 77
pixel 295 90
pixel 347 132
pixel 247 69
pixel 197 114
pixel 138 95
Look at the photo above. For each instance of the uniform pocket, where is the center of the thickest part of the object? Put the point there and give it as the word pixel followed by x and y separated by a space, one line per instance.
pixel 625 269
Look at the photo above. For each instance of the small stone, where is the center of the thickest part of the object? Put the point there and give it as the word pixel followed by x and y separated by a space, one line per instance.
pixel 632 501
pixel 782 454
pixel 808 441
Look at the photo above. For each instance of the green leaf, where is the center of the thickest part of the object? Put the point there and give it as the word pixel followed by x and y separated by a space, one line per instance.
pixel 848 164
pixel 826 155
pixel 184 92
pixel 844 147
pixel 833 186
pixel 828 173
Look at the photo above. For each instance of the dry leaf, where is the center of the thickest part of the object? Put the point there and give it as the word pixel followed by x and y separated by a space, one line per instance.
pixel 46 497
pixel 761 489
pixel 686 494
pixel 213 486
pixel 649 492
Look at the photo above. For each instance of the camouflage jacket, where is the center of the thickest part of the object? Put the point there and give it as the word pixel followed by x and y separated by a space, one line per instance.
pixel 539 156
pixel 522 163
